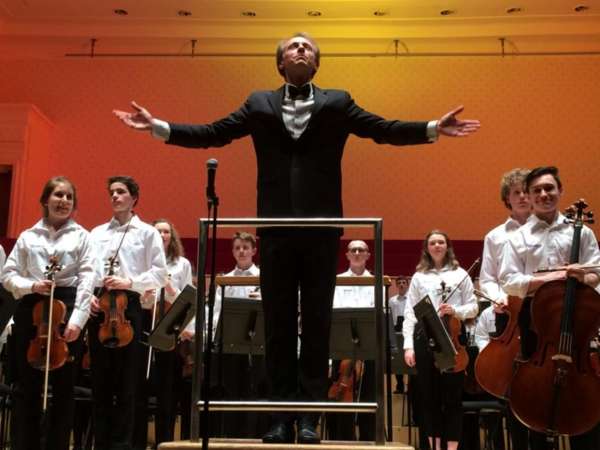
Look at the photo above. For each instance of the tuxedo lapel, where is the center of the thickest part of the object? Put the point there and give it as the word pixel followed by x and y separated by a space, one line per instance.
pixel 275 100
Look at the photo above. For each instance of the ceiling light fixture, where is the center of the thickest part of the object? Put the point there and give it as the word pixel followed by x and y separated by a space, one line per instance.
pixel 514 9
pixel 184 13
pixel 581 8
pixel 313 13
pixel 248 14
pixel 120 12
pixel 380 13
pixel 447 12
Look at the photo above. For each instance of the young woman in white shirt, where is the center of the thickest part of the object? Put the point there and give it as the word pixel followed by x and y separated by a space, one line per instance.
pixel 440 393
pixel 56 237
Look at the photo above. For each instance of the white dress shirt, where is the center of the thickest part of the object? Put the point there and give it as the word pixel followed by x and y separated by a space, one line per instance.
pixel 486 325
pixel 429 283
pixel 141 256
pixel 27 263
pixel 397 305
pixel 180 273
pixel 538 244
pixel 493 245
pixel 354 296
pixel 2 258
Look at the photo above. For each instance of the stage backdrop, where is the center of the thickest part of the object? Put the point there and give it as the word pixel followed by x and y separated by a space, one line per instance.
pixel 534 111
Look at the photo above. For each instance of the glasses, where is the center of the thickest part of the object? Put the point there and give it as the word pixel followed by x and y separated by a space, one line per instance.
pixel 357 250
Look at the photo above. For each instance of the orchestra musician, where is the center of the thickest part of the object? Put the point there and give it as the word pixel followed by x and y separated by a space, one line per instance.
pixel 361 377
pixel 138 249
pixel 299 132
pixel 56 236
pixel 545 241
pixel 493 320
pixel 168 368
pixel 438 273
pixel 397 304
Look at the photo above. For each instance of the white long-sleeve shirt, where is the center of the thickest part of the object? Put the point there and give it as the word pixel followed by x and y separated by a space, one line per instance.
pixel 429 283
pixel 493 246
pixel 486 325
pixel 141 256
pixel 72 246
pixel 2 258
pixel 538 244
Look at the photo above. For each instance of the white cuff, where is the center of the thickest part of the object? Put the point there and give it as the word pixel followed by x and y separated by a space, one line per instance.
pixel 161 129
pixel 432 133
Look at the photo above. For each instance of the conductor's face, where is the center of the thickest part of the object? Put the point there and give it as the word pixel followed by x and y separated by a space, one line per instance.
pixel 299 60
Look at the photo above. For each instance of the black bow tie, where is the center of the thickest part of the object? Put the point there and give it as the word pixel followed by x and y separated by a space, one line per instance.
pixel 302 91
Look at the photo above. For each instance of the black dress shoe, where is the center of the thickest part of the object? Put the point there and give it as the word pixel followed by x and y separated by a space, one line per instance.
pixel 307 431
pixel 280 433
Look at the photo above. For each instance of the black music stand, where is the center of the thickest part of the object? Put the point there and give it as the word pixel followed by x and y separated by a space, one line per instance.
pixel 182 311
pixel 242 332
pixel 352 334
pixel 439 339
pixel 8 306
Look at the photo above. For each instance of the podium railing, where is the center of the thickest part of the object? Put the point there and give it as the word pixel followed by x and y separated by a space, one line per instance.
pixel 376 224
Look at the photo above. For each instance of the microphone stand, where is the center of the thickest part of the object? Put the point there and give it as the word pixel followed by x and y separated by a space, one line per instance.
pixel 213 204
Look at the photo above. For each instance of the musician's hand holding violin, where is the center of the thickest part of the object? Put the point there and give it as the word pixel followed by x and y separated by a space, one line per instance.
pixel 409 357
pixel 186 335
pixel 446 310
pixel 148 297
pixel 113 282
pixel 500 306
pixel 71 333
pixel 94 306
pixel 41 287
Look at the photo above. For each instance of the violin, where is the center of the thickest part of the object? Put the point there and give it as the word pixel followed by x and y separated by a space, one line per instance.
pixel 48 349
pixel 557 391
pixel 455 327
pixel 349 373
pixel 115 331
pixel 495 365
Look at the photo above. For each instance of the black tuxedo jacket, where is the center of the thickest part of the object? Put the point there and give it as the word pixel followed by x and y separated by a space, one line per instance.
pixel 299 178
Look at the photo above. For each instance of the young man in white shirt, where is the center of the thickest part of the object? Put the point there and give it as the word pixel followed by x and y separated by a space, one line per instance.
pixel 546 241
pixel 138 249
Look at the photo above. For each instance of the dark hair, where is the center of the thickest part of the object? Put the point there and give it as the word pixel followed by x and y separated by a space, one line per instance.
pixel 175 247
pixel 246 237
pixel 510 179
pixel 426 262
pixel 281 49
pixel 49 188
pixel 538 172
pixel 132 186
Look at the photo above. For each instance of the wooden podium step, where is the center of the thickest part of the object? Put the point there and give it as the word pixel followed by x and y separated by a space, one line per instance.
pixel 256 444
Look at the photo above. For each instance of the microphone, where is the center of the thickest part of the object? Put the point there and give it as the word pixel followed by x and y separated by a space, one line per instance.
pixel 211 166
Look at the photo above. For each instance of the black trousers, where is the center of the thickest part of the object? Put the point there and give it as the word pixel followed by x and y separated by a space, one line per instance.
pixel 29 383
pixel 440 395
pixel 304 260
pixel 114 382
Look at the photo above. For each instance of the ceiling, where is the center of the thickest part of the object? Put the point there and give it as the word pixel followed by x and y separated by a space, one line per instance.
pixel 55 28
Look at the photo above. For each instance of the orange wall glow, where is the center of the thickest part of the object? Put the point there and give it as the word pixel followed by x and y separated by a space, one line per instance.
pixel 534 111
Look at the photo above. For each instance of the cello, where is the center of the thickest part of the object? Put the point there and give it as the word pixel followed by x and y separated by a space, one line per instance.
pixel 556 391
pixel 495 365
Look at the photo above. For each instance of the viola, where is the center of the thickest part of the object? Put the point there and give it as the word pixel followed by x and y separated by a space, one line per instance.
pixel 495 365
pixel 556 391
pixel 115 330
pixel 48 349
pixel 349 373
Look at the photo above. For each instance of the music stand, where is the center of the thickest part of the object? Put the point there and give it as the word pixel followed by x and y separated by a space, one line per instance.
pixel 243 333
pixel 182 311
pixel 8 306
pixel 352 334
pixel 435 331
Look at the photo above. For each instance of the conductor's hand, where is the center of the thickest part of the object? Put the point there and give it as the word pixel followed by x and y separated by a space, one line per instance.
pixel 140 119
pixel 409 357
pixel 449 125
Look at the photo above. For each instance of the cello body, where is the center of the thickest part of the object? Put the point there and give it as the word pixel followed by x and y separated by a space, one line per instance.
pixel 495 365
pixel 548 393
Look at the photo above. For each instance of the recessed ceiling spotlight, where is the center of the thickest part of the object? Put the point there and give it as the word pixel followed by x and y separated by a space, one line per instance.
pixel 313 13
pixel 447 12
pixel 120 12
pixel 514 9
pixel 248 13
pixel 380 13
pixel 581 8
pixel 184 13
